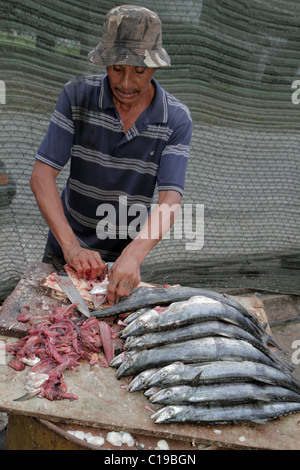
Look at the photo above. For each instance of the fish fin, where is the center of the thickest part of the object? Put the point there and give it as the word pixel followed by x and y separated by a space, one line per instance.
pixel 262 398
pixel 259 421
pixel 196 379
pixel 28 395
pixel 263 380
pixel 230 320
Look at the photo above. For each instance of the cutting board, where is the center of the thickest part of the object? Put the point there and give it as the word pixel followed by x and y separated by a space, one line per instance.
pixel 97 406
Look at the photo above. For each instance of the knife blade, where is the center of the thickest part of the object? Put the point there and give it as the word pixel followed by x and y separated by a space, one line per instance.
pixel 67 285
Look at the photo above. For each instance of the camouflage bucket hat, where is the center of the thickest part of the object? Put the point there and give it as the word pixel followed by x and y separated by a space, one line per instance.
pixel 132 35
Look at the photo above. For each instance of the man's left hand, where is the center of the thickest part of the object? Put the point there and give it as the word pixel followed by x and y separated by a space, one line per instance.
pixel 123 277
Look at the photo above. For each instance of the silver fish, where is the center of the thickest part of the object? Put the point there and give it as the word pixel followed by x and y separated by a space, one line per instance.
pixel 151 391
pixel 201 330
pixel 138 383
pixel 194 310
pixel 151 296
pixel 216 414
pixel 197 350
pixel 197 330
pixel 134 315
pixel 179 373
pixel 222 394
pixel 118 360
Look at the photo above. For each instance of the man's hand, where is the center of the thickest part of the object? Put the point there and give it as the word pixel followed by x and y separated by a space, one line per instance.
pixel 87 263
pixel 123 277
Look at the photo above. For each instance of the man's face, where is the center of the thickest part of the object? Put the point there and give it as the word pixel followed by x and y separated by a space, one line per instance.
pixel 129 84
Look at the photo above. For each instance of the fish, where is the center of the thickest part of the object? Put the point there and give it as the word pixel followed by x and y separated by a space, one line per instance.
pixel 197 350
pixel 194 310
pixel 141 297
pixel 227 414
pixel 197 330
pixel 135 314
pixel 178 373
pixel 223 394
pixel 138 383
pixel 118 360
pixel 201 330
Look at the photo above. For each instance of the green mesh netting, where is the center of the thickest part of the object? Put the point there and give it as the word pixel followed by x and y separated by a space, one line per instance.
pixel 233 64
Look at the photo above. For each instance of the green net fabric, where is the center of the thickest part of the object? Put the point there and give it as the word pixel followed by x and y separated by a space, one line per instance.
pixel 233 64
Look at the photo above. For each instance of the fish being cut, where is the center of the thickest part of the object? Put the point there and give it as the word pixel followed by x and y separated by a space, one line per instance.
pixel 153 296
pixel 229 414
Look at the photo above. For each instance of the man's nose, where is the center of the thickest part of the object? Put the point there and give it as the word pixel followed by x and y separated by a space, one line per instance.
pixel 126 80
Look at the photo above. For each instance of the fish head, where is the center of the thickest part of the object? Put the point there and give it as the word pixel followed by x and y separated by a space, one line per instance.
pixel 167 414
pixel 166 395
pixel 166 375
pixel 139 382
pixel 147 320
pixel 127 367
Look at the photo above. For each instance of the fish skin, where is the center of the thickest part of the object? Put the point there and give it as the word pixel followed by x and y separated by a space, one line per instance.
pixel 221 394
pixel 194 310
pixel 179 373
pixel 233 414
pixel 149 296
pixel 199 350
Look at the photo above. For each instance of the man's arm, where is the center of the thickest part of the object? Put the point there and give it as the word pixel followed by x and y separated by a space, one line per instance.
pixel 87 263
pixel 125 273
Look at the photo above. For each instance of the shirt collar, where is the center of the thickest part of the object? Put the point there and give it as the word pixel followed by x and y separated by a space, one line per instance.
pixel 157 111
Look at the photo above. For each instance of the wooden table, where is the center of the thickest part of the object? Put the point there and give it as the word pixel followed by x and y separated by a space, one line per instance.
pixel 103 401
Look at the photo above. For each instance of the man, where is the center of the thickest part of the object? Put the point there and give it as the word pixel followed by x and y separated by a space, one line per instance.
pixel 124 135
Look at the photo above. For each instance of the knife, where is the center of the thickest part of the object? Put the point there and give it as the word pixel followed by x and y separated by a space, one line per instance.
pixel 67 285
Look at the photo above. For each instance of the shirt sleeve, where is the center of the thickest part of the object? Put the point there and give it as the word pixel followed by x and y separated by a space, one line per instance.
pixel 55 148
pixel 174 158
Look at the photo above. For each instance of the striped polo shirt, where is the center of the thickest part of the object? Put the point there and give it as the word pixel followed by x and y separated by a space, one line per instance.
pixel 113 174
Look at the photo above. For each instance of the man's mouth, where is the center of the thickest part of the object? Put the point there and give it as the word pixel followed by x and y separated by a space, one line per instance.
pixel 126 93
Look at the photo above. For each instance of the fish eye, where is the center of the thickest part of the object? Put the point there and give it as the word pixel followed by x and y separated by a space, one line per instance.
pixel 170 413
pixel 168 393
pixel 163 374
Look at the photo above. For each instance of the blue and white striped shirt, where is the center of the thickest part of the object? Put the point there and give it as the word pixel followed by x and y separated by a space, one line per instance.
pixel 109 166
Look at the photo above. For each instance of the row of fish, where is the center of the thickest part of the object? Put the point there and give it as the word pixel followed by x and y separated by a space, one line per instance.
pixel 206 359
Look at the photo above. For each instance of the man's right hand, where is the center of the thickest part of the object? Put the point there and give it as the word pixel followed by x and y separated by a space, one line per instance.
pixel 87 263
